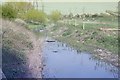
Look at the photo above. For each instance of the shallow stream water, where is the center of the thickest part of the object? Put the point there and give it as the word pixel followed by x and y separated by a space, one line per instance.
pixel 62 61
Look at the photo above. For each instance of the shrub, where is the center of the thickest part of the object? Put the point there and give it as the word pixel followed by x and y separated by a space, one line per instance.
pixel 55 16
pixel 22 8
pixel 36 16
pixel 0 10
pixel 8 11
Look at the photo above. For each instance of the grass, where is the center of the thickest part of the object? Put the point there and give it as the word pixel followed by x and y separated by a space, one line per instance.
pixel 90 36
pixel 15 37
pixel 16 41
pixel 87 39
pixel 66 33
pixel 32 26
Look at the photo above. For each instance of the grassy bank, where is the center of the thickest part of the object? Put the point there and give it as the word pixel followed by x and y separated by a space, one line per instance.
pixel 18 47
pixel 91 35
pixel 95 34
pixel 98 37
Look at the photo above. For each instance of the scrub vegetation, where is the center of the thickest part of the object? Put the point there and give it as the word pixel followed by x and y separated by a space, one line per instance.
pixel 21 21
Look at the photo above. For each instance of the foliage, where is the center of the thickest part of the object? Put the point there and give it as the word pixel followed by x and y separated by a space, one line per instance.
pixel 8 11
pixel 68 32
pixel 0 10
pixel 55 16
pixel 22 8
pixel 36 16
pixel 17 9
pixel 108 40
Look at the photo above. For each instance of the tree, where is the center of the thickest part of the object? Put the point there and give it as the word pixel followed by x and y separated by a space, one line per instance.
pixel 55 16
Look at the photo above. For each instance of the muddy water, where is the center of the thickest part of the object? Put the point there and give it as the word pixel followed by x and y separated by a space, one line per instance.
pixel 62 61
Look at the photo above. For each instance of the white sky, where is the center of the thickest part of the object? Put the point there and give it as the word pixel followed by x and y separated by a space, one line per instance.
pixel 65 0
pixel 81 0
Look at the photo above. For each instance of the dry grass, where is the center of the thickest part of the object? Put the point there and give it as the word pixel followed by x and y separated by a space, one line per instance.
pixel 21 49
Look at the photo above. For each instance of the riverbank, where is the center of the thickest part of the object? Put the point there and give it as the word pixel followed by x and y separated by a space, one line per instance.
pixel 34 59
pixel 96 51
pixel 94 38
pixel 21 51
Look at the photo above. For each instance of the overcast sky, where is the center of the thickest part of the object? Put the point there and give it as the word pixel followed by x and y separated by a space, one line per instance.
pixel 81 0
pixel 66 0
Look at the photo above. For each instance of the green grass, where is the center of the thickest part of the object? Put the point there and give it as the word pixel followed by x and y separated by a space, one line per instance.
pixel 66 33
pixel 93 38
pixel 35 27
pixel 31 26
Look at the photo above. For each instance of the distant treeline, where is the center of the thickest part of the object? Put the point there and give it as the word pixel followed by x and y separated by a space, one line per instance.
pixel 108 13
pixel 26 11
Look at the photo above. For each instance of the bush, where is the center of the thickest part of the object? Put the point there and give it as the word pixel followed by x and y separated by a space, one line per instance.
pixel 0 10
pixel 55 16
pixel 22 8
pixel 16 9
pixel 8 11
pixel 35 16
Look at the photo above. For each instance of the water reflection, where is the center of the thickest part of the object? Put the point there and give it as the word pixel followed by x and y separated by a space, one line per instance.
pixel 106 66
pixel 71 63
